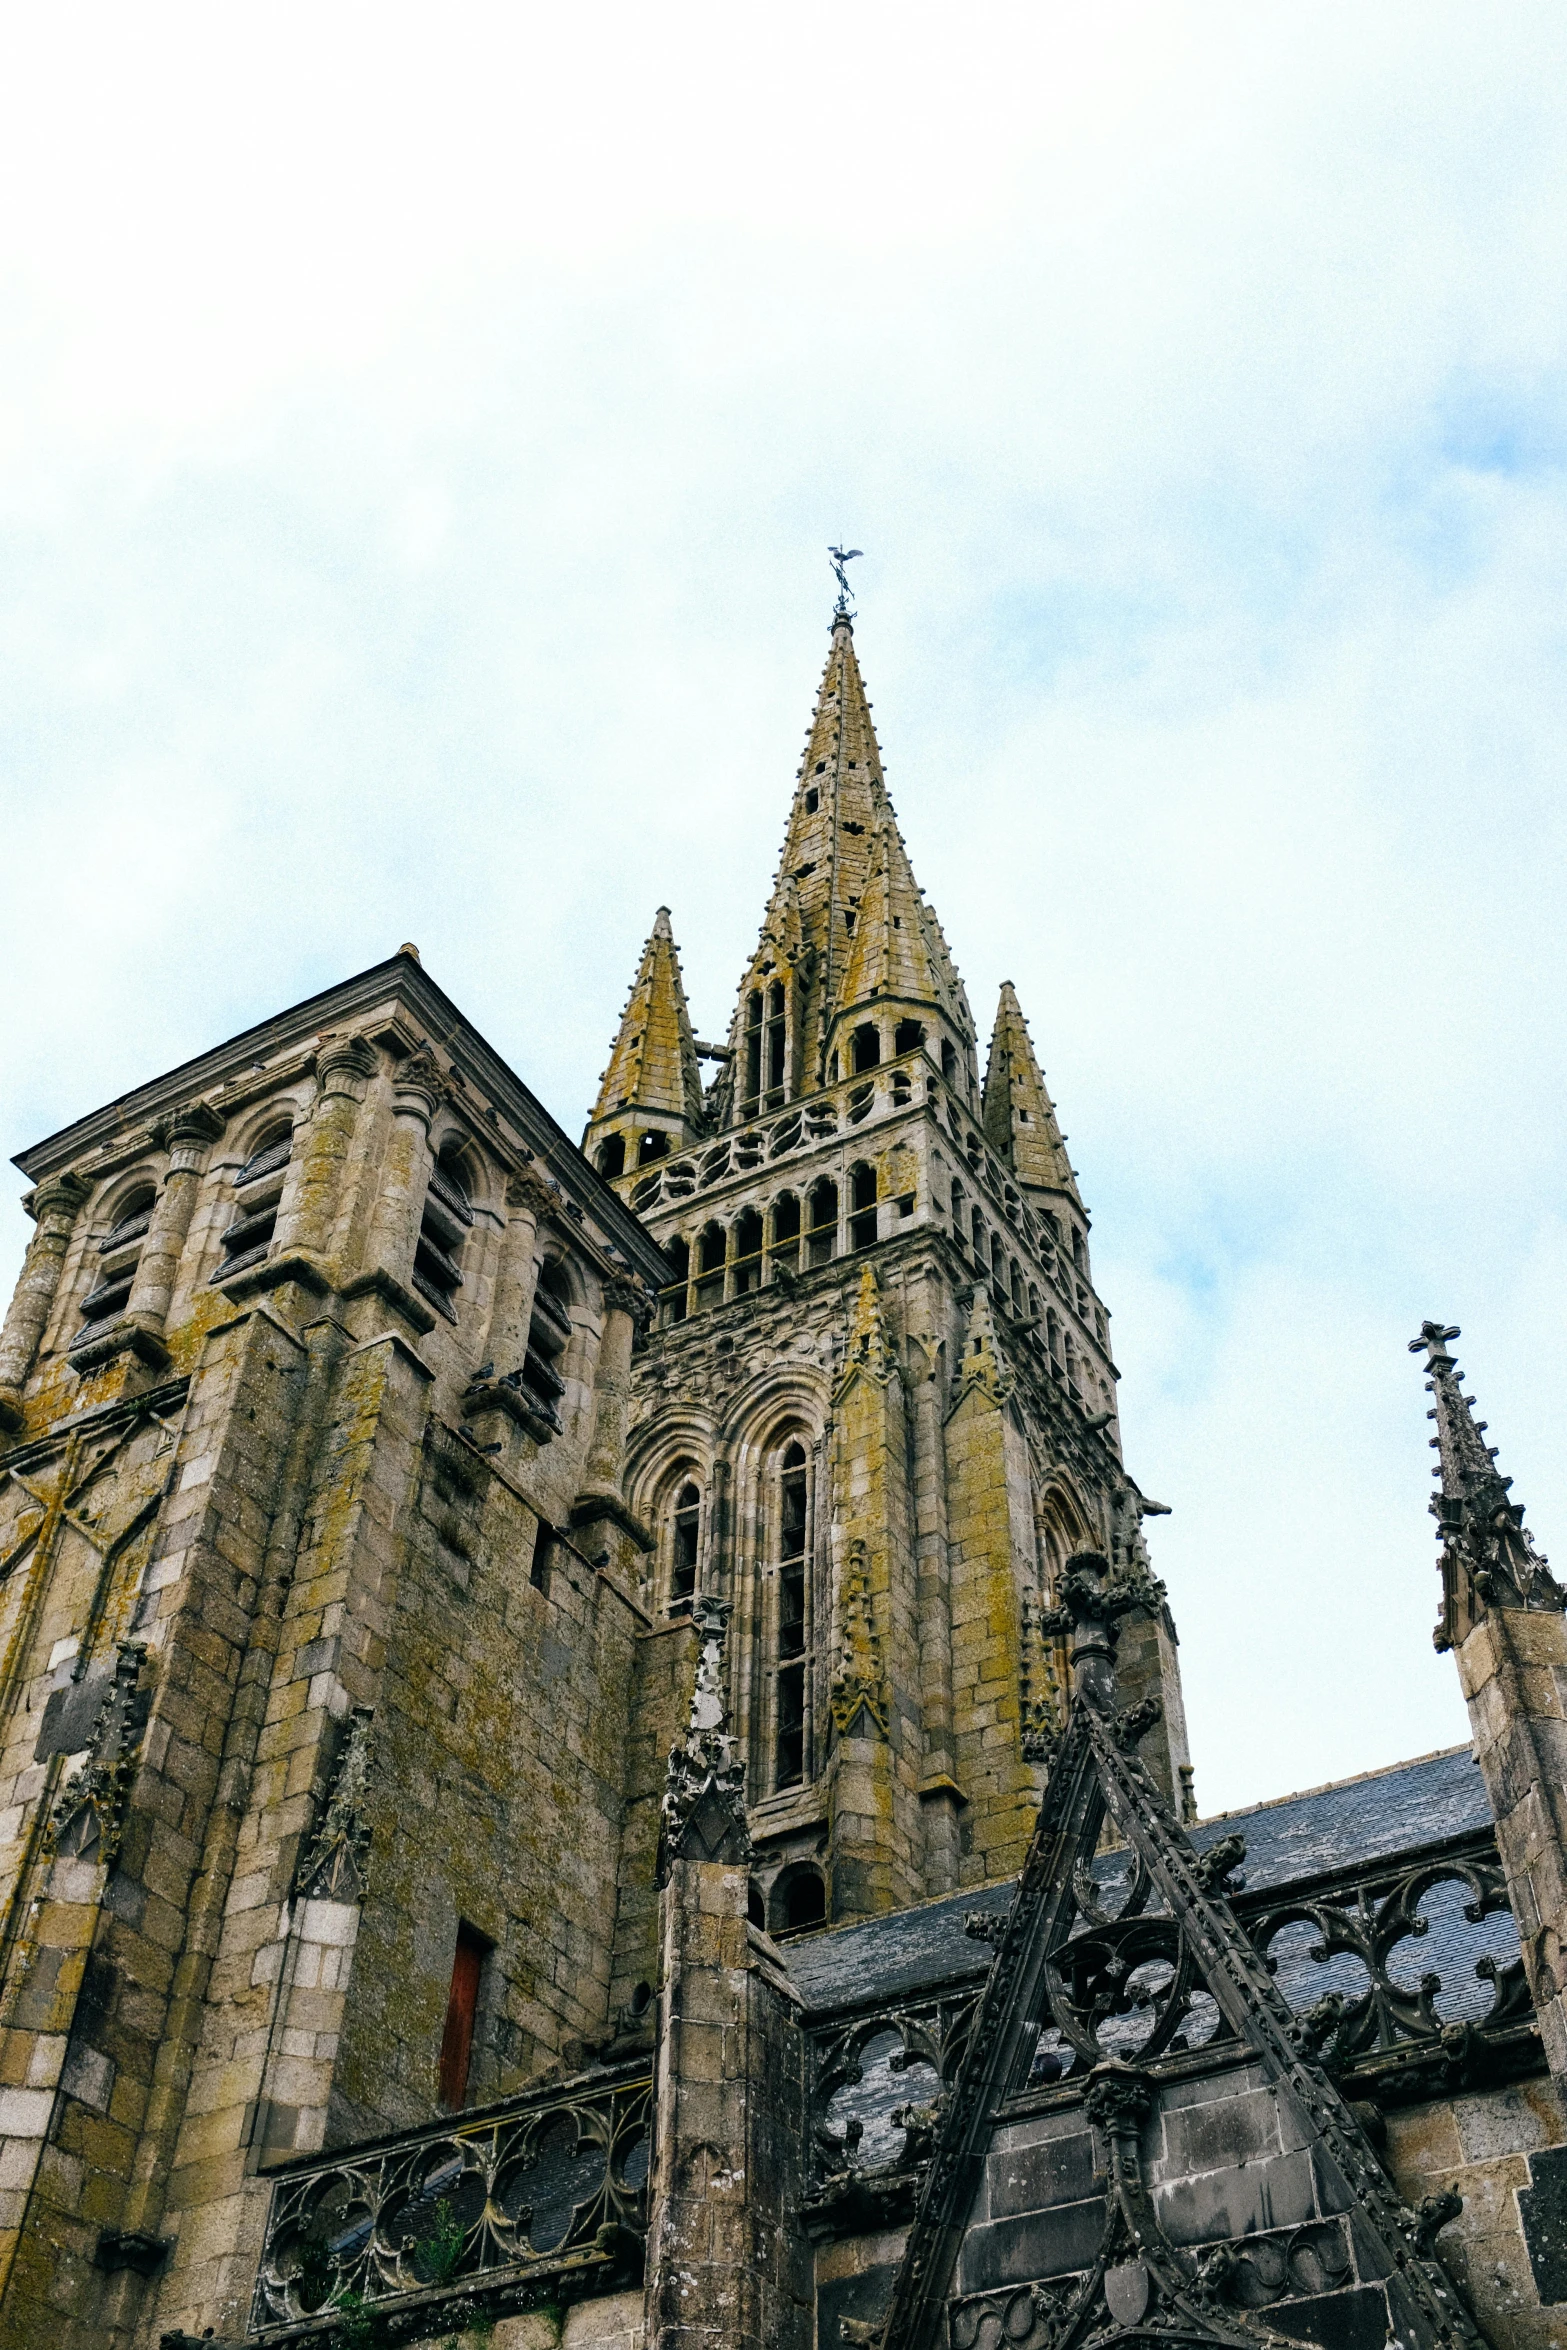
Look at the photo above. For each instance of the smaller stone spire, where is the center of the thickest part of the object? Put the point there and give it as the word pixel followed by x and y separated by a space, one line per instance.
pixel 870 1350
pixel 653 1068
pixel 1019 1116
pixel 897 953
pixel 1488 1557
pixel 982 1365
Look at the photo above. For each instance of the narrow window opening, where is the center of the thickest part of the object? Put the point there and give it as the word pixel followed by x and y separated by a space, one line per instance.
pixel 120 1251
pixel 753 1050
pixel 543 1543
pixel 866 1047
pixel 612 1155
pixel 549 1334
pixel 710 1266
pixel 822 1244
pixel 259 1185
pixel 907 1037
pixel 813 800
pixel 462 2011
pixel 443 1228
pixel 949 1059
pixel 777 1035
pixel 786 1234
pixel 1078 1252
pixel 748 1252
pixel 832 1068
pixel 685 1541
pixel 862 1202
pixel 672 1296
pixel 790 1680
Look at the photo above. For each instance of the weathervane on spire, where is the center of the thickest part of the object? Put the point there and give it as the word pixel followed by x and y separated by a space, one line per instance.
pixel 838 557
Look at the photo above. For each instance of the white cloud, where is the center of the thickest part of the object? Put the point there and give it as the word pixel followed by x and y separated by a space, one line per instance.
pixel 418 438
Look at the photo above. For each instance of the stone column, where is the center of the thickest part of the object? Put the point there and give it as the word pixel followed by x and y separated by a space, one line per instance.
pixel 729 2112
pixel 189 1134
pixel 405 1170
pixel 625 1304
pixel 529 1201
pixel 55 1205
pixel 344 1067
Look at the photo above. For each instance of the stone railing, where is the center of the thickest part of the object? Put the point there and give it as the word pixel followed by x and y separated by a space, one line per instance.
pixel 540 2199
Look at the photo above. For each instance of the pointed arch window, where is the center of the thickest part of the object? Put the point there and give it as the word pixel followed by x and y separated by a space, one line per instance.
pixel 672 1296
pixel 786 1234
pixel 862 1200
pixel 710 1251
pixel 747 1259
pixel 822 1244
pixel 685 1547
pixel 792 1660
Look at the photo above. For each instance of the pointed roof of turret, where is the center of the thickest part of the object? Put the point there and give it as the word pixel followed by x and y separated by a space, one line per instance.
pixel 1020 1117
pixel 897 948
pixel 654 1064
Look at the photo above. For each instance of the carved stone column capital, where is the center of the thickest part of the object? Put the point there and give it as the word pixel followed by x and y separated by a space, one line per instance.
pixel 418 1089
pixel 55 1204
pixel 528 1194
pixel 343 1064
pixel 629 1296
pixel 188 1132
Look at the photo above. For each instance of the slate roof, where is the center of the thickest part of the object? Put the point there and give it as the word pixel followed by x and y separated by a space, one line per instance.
pixel 1374 1817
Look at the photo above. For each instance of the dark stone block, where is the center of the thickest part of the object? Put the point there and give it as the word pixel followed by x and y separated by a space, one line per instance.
pixel 864 2296
pixel 1218 2135
pixel 1355 2320
pixel 1223 2204
pixel 1045 2244
pixel 1037 2177
pixel 1542 2206
pixel 69 1716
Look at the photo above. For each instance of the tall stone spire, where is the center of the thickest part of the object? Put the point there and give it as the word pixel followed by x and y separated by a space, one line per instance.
pixel 1502 1617
pixel 652 1083
pixel 1020 1117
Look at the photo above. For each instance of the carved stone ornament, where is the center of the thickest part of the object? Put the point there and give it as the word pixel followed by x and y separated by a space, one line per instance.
pixel 628 1296
pixel 980 1366
pixel 335 1863
pixel 703 1812
pixel 859 1685
pixel 1042 1712
pixel 1141 2289
pixel 870 1351
pixel 88 1817
pixel 1488 1557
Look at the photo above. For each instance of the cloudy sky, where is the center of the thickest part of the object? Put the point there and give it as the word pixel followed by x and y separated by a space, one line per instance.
pixel 419 434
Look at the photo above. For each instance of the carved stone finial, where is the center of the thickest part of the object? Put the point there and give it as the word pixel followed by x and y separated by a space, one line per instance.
pixel 1042 1709
pixel 859 1684
pixel 88 1818
pixel 703 1812
pixel 1488 1557
pixel 335 1864
pixel 870 1352
pixel 1092 1601
pixel 981 1365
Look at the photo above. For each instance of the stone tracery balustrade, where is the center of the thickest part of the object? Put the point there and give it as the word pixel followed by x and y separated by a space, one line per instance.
pixel 545 2193
pixel 1347 1956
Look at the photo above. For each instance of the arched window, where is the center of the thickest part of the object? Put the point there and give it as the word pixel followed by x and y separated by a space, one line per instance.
pixel 822 1240
pixel 792 1667
pixel 685 1542
pixel 677 1254
pixel 907 1037
pixel 799 1899
pixel 258 1190
pixel 710 1266
pixel 865 1045
pixel 1019 1301
pixel 862 1204
pixel 747 1251
pixel 443 1228
pixel 1079 1254
pixel 958 1233
pixel 977 1230
pixel 776 1043
pixel 612 1155
pixel 1033 1302
pixel 1053 1335
pixel 786 1234
pixel 119 1254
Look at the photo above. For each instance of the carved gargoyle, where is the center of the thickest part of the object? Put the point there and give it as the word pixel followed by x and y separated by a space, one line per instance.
pixel 920 2124
pixel 1216 1871
pixel 1432 2214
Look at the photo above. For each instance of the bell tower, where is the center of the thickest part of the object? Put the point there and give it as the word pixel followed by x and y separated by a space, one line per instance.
pixel 876 1412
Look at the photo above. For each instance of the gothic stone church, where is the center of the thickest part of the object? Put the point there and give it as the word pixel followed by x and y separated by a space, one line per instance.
pixel 591 1751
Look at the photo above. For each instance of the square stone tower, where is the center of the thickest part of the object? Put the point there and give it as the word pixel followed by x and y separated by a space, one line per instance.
pixel 877 1412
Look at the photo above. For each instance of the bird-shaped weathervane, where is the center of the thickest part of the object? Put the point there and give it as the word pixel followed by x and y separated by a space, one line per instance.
pixel 838 557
